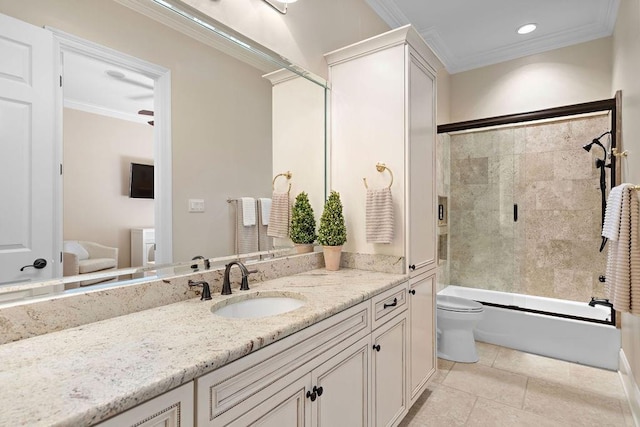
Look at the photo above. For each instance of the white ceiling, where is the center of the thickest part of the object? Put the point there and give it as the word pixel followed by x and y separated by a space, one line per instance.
pixel 88 87
pixel 467 34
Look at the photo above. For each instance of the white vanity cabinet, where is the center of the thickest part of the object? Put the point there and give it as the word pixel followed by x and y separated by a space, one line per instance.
pixel 422 340
pixel 327 363
pixel 172 409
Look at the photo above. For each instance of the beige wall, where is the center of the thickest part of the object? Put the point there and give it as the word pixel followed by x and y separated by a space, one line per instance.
pixel 97 154
pixel 626 72
pixel 570 75
pixel 309 29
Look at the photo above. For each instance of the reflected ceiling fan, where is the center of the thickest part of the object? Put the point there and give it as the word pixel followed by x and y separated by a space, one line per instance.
pixel 147 113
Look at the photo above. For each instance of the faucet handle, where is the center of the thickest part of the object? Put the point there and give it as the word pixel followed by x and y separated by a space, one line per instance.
pixel 206 290
pixel 244 285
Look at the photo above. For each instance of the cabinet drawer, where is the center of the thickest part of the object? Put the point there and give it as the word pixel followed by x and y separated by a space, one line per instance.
pixel 230 385
pixel 388 304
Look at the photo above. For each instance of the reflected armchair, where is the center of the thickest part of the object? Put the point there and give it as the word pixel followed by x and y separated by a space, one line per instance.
pixel 82 257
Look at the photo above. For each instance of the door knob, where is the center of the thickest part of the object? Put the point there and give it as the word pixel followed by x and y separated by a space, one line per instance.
pixel 38 264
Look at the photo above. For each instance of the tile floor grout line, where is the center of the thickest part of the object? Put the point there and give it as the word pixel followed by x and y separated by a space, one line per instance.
pixel 466 422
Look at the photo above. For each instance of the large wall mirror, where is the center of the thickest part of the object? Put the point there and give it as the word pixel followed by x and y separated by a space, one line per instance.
pixel 239 116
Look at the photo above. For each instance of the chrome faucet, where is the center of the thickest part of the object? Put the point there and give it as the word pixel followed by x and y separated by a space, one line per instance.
pixel 226 283
pixel 206 291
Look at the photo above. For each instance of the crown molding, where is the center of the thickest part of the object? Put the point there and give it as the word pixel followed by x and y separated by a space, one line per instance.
pixel 389 11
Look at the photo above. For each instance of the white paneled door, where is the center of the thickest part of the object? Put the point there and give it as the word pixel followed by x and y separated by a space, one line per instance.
pixel 27 153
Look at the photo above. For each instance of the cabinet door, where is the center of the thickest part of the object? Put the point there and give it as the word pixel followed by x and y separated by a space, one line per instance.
pixel 422 333
pixel 172 409
pixel 288 408
pixel 343 388
pixel 422 177
pixel 389 372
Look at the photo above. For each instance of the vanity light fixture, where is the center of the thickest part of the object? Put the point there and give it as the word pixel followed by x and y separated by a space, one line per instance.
pixel 284 8
pixel 527 28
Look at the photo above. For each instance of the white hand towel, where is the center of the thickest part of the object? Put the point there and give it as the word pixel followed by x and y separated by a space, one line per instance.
pixel 379 216
pixel 280 216
pixel 611 225
pixel 265 208
pixel 248 211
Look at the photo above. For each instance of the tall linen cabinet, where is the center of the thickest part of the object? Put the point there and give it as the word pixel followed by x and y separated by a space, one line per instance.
pixel 382 110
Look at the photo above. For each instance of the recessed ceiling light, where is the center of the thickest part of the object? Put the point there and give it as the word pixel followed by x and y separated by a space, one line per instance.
pixel 527 28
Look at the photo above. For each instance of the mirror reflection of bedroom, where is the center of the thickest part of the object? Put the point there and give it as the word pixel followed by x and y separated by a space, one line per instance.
pixel 108 167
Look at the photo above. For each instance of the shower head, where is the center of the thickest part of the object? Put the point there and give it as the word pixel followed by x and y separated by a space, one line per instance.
pixel 596 141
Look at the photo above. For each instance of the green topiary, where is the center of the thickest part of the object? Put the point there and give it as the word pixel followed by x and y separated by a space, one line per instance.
pixel 303 223
pixel 332 231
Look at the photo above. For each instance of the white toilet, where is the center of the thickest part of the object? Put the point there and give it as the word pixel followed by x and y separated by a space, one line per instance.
pixel 456 319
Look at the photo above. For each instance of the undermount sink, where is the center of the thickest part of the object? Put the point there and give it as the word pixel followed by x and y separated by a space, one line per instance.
pixel 257 305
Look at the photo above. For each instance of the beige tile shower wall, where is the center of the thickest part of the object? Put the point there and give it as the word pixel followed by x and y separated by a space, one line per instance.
pixel 553 248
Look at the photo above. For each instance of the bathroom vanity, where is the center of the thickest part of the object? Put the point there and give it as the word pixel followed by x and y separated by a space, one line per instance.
pixel 353 350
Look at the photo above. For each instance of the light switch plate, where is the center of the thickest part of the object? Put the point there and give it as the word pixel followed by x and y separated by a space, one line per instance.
pixel 196 205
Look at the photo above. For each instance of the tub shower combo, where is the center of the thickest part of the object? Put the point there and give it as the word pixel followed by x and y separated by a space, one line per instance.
pixel 524 197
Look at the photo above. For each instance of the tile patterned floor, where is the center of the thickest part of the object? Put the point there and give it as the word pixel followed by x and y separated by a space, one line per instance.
pixel 511 388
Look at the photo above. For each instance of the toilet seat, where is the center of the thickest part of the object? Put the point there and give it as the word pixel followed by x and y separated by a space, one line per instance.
pixel 457 304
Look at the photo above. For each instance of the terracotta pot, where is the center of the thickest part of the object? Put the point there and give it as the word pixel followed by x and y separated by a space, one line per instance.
pixel 332 256
pixel 304 248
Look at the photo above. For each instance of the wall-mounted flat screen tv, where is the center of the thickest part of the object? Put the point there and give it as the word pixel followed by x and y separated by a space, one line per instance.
pixel 141 181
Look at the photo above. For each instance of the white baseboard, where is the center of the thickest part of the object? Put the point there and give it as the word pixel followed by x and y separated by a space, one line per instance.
pixel 630 388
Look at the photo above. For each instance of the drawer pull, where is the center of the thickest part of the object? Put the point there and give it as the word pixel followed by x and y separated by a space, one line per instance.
pixel 393 304
pixel 412 267
pixel 318 390
pixel 412 291
pixel 376 347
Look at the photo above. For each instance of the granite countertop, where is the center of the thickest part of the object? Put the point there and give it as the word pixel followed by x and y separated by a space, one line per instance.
pixel 86 374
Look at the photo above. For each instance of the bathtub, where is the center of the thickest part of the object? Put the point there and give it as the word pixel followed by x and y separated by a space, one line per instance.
pixel 568 339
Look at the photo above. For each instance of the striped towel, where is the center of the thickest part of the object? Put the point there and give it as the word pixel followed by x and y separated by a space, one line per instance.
pixel 379 216
pixel 280 216
pixel 623 262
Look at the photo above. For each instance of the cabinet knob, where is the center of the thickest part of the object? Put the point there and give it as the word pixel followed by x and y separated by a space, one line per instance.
pixel 318 390
pixel 412 267
pixel 376 347
pixel 311 396
pixel 412 291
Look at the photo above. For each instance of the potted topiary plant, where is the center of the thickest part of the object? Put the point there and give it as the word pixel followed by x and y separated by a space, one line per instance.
pixel 332 233
pixel 303 224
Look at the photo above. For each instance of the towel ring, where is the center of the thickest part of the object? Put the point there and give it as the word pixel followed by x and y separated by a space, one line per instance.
pixel 380 167
pixel 287 175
